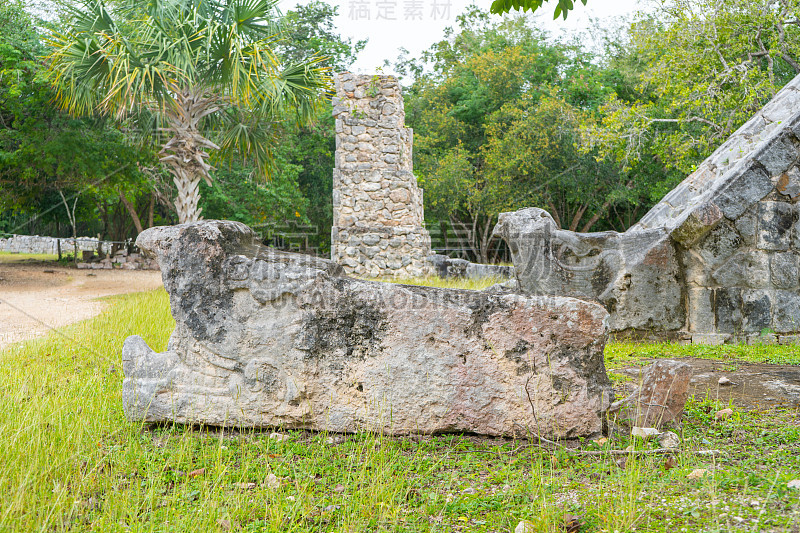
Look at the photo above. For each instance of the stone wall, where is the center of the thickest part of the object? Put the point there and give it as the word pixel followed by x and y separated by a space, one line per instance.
pixel 377 205
pixel 717 260
pixel 36 244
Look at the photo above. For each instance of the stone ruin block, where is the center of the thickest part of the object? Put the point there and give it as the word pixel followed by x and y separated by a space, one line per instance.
pixel 268 338
pixel 620 271
pixel 377 206
pixel 717 258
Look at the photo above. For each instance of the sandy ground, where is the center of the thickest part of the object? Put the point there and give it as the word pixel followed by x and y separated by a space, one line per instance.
pixel 36 297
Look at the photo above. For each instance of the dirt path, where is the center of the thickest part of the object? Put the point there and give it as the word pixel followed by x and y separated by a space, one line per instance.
pixel 751 385
pixel 36 297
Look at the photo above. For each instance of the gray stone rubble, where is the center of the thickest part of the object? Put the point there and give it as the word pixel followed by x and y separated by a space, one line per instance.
pixel 448 267
pixel 121 259
pixel 269 338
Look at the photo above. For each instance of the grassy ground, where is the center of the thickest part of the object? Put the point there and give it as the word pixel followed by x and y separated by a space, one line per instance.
pixel 8 257
pixel 624 353
pixel 475 284
pixel 70 462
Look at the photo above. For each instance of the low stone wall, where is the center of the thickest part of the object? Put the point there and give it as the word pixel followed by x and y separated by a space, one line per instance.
pixel 448 267
pixel 37 244
pixel 87 246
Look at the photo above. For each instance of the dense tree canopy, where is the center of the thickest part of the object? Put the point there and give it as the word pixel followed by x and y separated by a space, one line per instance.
pixel 504 116
pixel 204 72
pixel 702 69
pixel 498 111
pixel 45 153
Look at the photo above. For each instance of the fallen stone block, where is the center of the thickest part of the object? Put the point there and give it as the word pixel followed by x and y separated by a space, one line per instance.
pixel 659 399
pixel 267 338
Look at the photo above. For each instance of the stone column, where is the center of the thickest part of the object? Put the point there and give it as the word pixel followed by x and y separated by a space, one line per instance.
pixel 377 206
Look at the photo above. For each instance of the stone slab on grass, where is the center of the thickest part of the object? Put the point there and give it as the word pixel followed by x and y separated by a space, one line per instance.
pixel 268 338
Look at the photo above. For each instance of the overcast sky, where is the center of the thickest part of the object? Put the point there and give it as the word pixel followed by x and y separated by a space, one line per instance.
pixel 417 24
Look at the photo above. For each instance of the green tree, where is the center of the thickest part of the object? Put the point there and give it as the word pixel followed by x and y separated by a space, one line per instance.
pixel 504 6
pixel 534 155
pixel 47 156
pixel 703 69
pixel 309 31
pixel 498 110
pixel 204 72
pixel 234 196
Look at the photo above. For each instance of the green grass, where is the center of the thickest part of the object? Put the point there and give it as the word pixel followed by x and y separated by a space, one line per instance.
pixel 8 257
pixel 627 353
pixel 69 461
pixel 475 284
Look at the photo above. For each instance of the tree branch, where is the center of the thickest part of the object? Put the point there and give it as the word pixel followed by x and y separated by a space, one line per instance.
pixel 132 212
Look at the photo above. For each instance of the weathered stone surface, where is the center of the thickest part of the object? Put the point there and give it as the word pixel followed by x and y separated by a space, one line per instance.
pixel 715 260
pixel 711 339
pixel 697 224
pixel 788 183
pixel 775 221
pixel 786 312
pixel 747 226
pixel 749 268
pixel 268 338
pixel 659 399
pixel 619 270
pixel 377 206
pixel 742 190
pixel 701 307
pixel 780 157
pixel 784 270
pixel 742 311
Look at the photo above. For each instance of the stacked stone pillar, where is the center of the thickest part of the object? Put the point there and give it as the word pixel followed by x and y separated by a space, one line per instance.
pixel 377 206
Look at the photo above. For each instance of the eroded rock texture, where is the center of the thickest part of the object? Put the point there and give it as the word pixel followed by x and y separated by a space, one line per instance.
pixel 718 259
pixel 268 338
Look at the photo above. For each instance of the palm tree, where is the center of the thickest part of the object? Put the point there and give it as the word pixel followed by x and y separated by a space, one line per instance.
pixel 193 76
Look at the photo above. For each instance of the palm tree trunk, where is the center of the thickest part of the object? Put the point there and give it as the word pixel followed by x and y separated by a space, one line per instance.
pixel 185 153
pixel 188 196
